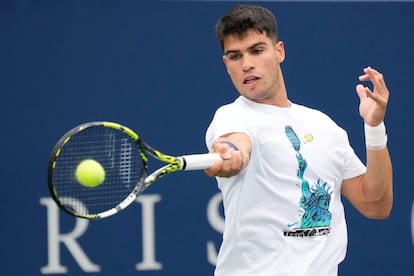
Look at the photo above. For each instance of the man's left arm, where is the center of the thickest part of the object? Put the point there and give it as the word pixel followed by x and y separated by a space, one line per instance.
pixel 371 193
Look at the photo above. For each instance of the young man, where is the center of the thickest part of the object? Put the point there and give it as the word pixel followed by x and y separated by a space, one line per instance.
pixel 284 165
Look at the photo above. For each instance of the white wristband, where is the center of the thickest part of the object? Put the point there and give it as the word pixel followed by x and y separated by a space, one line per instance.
pixel 375 137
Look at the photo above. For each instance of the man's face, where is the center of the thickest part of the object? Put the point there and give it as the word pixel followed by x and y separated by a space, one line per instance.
pixel 253 63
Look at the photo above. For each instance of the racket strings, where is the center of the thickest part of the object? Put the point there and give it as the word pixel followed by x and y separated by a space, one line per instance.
pixel 118 155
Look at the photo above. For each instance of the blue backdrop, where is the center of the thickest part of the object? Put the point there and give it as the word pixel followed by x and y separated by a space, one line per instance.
pixel 156 67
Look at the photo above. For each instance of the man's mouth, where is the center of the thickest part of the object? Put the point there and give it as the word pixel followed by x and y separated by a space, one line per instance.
pixel 250 79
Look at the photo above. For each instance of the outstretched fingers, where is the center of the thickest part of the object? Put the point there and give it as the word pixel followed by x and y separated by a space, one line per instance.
pixel 373 103
pixel 377 79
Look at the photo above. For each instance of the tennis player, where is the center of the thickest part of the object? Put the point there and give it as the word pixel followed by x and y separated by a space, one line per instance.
pixel 286 165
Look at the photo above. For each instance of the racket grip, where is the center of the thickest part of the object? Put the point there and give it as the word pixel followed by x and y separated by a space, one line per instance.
pixel 200 161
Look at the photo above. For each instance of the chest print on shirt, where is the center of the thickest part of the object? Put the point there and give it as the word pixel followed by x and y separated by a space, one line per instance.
pixel 315 200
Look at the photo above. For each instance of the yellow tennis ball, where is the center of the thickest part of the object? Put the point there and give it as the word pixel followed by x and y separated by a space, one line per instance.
pixel 90 173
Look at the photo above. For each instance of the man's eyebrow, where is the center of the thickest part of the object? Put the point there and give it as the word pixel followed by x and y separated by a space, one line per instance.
pixel 231 52
pixel 249 48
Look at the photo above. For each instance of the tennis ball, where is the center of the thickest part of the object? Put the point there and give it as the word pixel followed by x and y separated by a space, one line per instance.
pixel 90 173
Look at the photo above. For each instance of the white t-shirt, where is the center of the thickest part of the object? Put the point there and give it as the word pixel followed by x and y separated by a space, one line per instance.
pixel 283 212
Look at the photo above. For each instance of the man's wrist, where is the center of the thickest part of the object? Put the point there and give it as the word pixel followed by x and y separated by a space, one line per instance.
pixel 235 148
pixel 375 137
pixel 230 144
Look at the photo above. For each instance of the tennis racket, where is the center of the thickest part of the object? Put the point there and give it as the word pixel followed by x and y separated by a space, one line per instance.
pixel 122 155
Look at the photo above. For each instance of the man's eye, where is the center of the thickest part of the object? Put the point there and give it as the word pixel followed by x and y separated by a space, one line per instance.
pixel 235 56
pixel 257 51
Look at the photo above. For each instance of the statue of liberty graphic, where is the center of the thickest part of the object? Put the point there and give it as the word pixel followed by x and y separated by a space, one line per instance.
pixel 315 200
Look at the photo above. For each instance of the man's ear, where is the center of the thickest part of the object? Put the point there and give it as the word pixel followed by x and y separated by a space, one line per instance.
pixel 225 63
pixel 280 51
pixel 224 59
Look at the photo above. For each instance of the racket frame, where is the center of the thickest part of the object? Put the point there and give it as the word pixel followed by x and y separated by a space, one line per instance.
pixel 186 162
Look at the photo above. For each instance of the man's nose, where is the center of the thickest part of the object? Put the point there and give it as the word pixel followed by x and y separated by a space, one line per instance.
pixel 248 63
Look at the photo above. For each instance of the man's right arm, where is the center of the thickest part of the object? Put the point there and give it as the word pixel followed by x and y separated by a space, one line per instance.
pixel 235 149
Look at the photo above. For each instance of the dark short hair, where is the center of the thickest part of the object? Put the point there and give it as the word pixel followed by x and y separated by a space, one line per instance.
pixel 242 18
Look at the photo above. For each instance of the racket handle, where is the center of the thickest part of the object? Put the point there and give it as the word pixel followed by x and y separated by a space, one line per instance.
pixel 200 161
